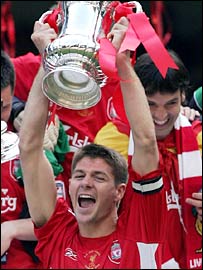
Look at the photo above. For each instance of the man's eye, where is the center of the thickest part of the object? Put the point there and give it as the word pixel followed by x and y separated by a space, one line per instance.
pixel 78 177
pixel 151 104
pixel 99 179
pixel 172 103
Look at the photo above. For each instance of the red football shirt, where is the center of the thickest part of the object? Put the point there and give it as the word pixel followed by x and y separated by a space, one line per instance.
pixel 12 200
pixel 136 243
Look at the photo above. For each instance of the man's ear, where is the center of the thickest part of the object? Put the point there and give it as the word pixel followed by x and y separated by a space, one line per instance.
pixel 120 191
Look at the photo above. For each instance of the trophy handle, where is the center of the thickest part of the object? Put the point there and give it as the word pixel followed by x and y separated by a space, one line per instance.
pixel 124 9
pixel 44 16
pixel 137 5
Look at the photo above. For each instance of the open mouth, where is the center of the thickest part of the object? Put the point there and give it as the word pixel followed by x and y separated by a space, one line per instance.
pixel 161 123
pixel 86 201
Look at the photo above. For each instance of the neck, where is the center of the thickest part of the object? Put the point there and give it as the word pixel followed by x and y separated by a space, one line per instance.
pixel 98 229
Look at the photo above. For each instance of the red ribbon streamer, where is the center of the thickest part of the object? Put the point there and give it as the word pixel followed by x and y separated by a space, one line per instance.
pixel 152 42
pixel 139 31
pixel 51 19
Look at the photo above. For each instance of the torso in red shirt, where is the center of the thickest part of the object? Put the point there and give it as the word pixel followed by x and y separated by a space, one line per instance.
pixel 139 233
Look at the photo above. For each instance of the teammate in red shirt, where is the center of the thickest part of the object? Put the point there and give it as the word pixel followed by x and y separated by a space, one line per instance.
pixel 13 202
pixel 16 225
pixel 180 145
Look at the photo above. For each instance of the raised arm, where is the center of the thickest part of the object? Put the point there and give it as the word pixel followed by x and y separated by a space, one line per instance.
pixel 37 172
pixel 145 157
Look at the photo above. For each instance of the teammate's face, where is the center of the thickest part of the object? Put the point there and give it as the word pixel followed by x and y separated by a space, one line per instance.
pixel 165 109
pixel 93 193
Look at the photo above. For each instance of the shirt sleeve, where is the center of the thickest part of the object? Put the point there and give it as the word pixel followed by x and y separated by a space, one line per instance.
pixel 144 207
pixel 55 229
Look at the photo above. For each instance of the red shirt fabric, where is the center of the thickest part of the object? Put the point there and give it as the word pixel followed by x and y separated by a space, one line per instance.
pixel 136 243
pixel 13 199
pixel 175 247
pixel 26 67
pixel 12 194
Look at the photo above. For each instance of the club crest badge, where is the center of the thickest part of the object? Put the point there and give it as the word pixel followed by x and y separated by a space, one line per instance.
pixel 115 251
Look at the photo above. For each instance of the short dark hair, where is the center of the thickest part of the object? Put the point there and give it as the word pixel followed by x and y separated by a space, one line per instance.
pixel 115 160
pixel 153 81
pixel 7 72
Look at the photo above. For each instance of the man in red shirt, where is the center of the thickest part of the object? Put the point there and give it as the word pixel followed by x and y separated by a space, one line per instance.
pixel 94 236
pixel 180 145
pixel 16 225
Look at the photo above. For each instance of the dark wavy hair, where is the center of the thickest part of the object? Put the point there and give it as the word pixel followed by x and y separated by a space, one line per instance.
pixel 7 72
pixel 153 81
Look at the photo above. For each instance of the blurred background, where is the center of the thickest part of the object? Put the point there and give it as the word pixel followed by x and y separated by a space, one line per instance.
pixel 178 23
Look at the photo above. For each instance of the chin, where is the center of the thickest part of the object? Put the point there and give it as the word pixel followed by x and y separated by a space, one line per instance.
pixel 82 218
pixel 161 135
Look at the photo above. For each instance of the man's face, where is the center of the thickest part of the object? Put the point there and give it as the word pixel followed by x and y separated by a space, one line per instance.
pixel 165 109
pixel 93 192
pixel 6 97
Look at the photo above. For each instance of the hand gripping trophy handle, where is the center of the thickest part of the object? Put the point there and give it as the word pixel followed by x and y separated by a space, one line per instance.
pixel 73 75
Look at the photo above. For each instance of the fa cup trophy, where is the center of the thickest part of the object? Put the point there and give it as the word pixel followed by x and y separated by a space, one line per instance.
pixel 73 75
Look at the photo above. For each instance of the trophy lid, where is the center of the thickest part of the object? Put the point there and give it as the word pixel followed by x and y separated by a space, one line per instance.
pixel 9 144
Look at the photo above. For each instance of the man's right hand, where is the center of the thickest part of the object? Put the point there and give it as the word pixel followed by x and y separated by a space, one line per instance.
pixel 42 35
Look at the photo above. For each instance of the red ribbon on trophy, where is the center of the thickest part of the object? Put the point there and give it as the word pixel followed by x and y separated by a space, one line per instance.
pixel 139 31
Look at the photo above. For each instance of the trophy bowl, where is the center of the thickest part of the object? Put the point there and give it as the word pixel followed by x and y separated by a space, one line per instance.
pixel 73 76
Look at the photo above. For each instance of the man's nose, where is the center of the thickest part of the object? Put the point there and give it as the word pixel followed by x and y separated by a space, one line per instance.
pixel 87 181
pixel 161 113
